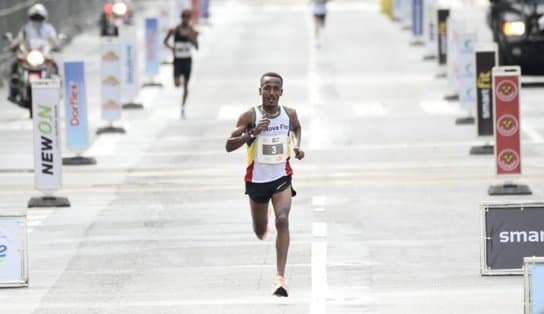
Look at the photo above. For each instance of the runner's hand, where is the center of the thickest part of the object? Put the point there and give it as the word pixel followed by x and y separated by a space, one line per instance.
pixel 261 126
pixel 299 153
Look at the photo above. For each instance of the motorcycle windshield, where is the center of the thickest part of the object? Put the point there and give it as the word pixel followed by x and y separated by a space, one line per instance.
pixel 37 44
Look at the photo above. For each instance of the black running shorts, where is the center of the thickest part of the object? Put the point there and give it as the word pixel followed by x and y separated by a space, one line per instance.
pixel 262 192
pixel 182 67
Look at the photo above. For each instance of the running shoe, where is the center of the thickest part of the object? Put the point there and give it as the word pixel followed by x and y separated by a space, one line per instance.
pixel 280 287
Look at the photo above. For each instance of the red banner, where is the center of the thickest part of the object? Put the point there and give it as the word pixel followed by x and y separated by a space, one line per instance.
pixel 506 89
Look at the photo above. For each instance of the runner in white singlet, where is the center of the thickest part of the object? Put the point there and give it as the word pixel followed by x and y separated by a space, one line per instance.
pixel 268 130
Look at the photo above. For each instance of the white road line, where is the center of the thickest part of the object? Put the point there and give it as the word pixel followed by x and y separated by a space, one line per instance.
pixel 104 145
pixel 531 131
pixel 231 112
pixel 318 304
pixel 371 110
pixel 318 201
pixel 319 229
pixel 441 108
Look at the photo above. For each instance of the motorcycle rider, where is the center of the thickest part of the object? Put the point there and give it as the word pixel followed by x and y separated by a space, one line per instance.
pixel 35 29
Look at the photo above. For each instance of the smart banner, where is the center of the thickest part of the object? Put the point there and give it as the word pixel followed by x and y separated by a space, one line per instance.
pixel 75 104
pixel 417 18
pixel 467 91
pixel 506 89
pixel 47 153
pixel 130 80
pixel 111 78
pixel 13 251
pixel 510 232
pixel 442 38
pixel 486 59
pixel 152 46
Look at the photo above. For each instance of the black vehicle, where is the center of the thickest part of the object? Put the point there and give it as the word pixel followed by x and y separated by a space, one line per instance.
pixel 518 29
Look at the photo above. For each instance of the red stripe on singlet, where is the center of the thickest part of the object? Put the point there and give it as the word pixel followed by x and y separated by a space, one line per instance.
pixel 249 172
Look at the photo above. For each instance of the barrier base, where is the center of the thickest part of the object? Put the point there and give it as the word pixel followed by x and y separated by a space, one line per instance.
pixel 48 201
pixel 110 129
pixel 152 84
pixel 441 75
pixel 133 105
pixel 509 188
pixel 78 161
pixel 429 57
pixel 465 120
pixel 452 97
pixel 482 150
pixel 166 62
pixel 417 42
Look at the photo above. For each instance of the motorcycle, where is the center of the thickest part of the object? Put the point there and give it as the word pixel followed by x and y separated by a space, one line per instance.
pixel 114 15
pixel 33 62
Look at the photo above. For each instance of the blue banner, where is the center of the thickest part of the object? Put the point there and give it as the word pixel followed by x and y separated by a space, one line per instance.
pixel 537 288
pixel 75 102
pixel 417 18
pixel 152 46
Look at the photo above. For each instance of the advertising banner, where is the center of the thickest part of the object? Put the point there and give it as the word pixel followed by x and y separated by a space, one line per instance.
pixel 152 42
pixel 506 89
pixel 537 288
pixel 111 52
pixel 417 18
pixel 47 153
pixel 13 251
pixel 429 26
pixel 510 232
pixel 442 39
pixel 168 17
pixel 407 14
pixel 398 9
pixel 75 104
pixel 452 47
pixel 130 80
pixel 467 91
pixel 486 59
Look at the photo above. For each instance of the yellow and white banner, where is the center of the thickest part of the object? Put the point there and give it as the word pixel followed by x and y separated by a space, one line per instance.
pixel 47 153
pixel 111 57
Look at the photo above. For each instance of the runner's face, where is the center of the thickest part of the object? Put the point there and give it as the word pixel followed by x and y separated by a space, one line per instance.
pixel 271 90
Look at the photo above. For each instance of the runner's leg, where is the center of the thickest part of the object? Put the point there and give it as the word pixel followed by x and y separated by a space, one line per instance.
pixel 282 206
pixel 259 215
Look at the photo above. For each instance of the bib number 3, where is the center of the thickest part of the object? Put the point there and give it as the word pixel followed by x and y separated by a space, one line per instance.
pixel 271 149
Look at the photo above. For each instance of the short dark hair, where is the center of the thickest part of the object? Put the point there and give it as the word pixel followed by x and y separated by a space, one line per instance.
pixel 272 74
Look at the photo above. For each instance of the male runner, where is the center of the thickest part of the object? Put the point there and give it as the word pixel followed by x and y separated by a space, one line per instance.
pixel 319 10
pixel 267 130
pixel 185 37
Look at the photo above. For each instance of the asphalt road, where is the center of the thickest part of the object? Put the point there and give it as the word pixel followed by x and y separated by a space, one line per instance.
pixel 386 219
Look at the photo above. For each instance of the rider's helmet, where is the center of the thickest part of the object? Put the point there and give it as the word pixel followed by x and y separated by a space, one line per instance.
pixel 37 12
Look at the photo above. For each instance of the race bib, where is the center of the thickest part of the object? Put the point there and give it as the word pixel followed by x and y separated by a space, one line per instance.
pixel 182 50
pixel 272 149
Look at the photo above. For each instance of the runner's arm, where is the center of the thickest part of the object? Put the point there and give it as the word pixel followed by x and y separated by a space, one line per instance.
pixel 165 41
pixel 297 131
pixel 240 135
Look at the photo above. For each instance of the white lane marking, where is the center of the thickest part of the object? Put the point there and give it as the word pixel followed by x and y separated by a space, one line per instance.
pixel 318 201
pixel 441 108
pixel 35 217
pixel 319 229
pixel 104 145
pixel 319 209
pixel 231 112
pixel 318 304
pixel 371 110
pixel 531 131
